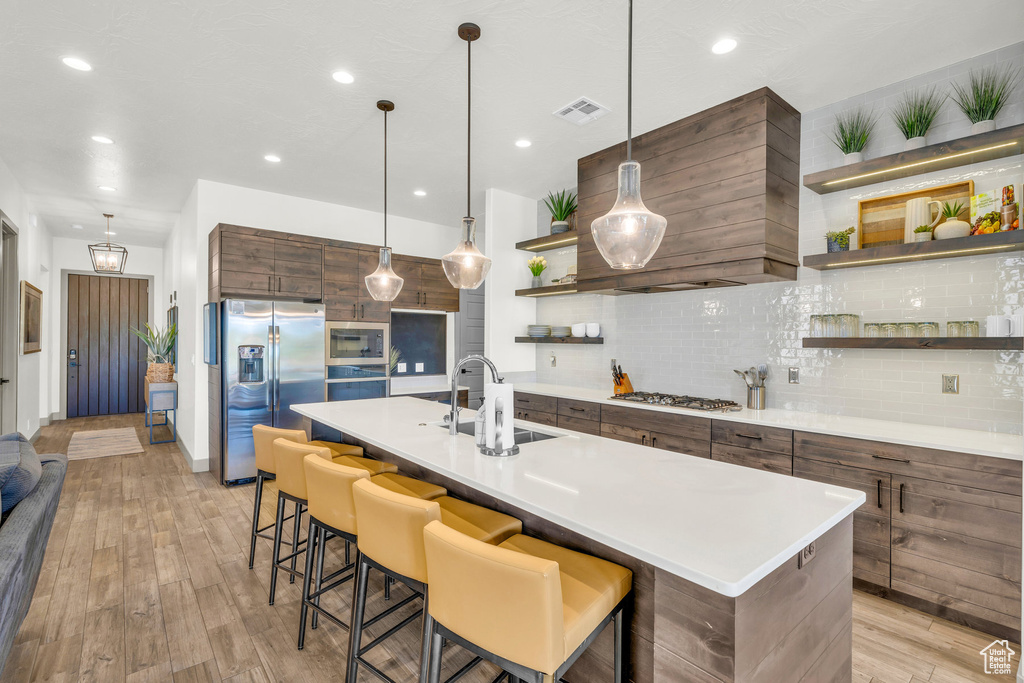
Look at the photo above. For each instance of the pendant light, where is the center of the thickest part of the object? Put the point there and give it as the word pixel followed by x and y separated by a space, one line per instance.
pixel 107 257
pixel 383 284
pixel 629 234
pixel 465 266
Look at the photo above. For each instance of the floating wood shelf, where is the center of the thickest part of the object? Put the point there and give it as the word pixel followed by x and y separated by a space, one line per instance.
pixel 936 343
pixel 562 239
pixel 549 290
pixel 560 340
pixel 1011 240
pixel 972 149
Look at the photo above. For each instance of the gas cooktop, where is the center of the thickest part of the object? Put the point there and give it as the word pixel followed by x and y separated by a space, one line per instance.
pixel 692 402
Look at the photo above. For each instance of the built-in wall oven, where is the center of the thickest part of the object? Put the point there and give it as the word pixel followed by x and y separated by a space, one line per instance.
pixel 356 360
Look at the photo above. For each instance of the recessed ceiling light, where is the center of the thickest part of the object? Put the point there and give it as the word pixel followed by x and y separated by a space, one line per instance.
pixel 343 77
pixel 76 226
pixel 273 158
pixel 523 143
pixel 723 46
pixel 102 139
pixel 77 64
pixel 420 193
pixel 107 188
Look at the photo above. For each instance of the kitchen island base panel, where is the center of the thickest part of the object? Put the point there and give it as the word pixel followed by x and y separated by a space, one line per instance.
pixel 794 624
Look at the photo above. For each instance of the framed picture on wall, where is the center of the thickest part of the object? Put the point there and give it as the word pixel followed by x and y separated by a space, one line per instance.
pixel 31 318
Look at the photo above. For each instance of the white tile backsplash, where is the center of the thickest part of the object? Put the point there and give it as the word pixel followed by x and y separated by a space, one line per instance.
pixel 689 342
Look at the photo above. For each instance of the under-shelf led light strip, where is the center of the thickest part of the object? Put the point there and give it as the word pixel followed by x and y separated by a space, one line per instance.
pixel 920 163
pixel 936 254
pixel 547 245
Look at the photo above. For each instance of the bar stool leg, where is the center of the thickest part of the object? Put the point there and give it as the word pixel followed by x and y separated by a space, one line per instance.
pixel 278 528
pixel 322 542
pixel 356 623
pixel 256 517
pixel 621 653
pixel 311 548
pixel 387 587
pixel 436 643
pixel 428 628
pixel 295 539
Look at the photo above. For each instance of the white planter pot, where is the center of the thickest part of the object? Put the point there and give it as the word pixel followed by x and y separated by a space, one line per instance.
pixel 853 158
pixel 922 237
pixel 952 229
pixel 559 226
pixel 914 143
pixel 983 127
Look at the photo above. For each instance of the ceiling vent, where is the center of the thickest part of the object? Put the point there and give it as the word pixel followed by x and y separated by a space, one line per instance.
pixel 580 111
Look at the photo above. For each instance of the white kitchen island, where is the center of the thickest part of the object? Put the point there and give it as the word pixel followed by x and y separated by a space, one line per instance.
pixel 719 587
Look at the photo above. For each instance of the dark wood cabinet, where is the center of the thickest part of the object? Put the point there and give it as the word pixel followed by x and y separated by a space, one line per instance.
pixel 536 408
pixel 267 267
pixel 757 446
pixel 668 431
pixel 426 286
pixel 345 293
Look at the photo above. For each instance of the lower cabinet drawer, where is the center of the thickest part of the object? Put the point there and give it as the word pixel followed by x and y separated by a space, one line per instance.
pixel 624 433
pixel 536 403
pixel 538 416
pixel 762 460
pixel 757 437
pixel 584 410
pixel 700 448
pixel 577 424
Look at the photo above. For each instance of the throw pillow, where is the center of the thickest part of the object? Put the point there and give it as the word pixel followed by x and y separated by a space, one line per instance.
pixel 20 470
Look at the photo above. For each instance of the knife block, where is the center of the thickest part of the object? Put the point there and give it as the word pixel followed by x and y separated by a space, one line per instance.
pixel 626 387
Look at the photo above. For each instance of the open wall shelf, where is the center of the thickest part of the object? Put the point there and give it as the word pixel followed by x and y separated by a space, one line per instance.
pixel 562 239
pixel 973 149
pixel 560 340
pixel 1011 240
pixel 923 343
pixel 549 290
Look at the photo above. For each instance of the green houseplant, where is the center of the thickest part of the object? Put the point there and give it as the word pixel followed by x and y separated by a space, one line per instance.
pixel 923 233
pixel 561 206
pixel 914 114
pixel 850 133
pixel 952 227
pixel 839 240
pixel 985 94
pixel 160 345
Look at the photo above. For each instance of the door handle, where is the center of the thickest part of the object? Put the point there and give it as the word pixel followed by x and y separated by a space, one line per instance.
pixel 277 368
pixel 4 381
pixel 270 366
pixel 901 497
pixel 879 493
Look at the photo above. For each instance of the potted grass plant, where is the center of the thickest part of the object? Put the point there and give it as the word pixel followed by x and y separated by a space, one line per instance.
pixel 839 240
pixel 986 93
pixel 914 114
pixel 952 227
pixel 562 206
pixel 850 133
pixel 923 233
pixel 160 345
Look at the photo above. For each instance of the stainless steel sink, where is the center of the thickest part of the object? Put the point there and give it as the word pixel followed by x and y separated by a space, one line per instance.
pixel 521 435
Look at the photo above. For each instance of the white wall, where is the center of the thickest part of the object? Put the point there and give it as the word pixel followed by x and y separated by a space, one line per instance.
pixel 34 265
pixel 187 253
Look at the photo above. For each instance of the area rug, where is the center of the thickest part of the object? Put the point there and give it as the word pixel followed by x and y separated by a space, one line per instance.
pixel 103 442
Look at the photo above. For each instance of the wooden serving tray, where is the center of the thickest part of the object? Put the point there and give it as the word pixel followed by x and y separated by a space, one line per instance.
pixel 880 221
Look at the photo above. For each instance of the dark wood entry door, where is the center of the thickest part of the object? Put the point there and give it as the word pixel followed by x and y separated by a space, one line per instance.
pixel 106 363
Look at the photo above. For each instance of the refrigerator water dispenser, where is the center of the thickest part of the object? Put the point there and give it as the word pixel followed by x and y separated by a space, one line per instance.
pixel 250 364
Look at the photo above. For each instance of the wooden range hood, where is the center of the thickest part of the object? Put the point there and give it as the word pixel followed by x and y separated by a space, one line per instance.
pixel 727 179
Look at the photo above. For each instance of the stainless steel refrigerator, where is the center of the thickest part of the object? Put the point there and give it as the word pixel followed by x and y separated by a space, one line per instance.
pixel 272 356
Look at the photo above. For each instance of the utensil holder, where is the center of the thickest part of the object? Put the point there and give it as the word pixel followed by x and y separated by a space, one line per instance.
pixel 626 387
pixel 756 397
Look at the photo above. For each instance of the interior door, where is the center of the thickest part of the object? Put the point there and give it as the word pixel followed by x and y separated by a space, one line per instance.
pixel 9 329
pixel 106 363
pixel 470 339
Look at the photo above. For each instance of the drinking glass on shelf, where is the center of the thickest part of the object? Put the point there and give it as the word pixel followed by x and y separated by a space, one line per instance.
pixel 890 330
pixel 831 325
pixel 969 328
pixel 849 325
pixel 872 330
pixel 908 329
pixel 954 328
pixel 817 326
pixel 928 329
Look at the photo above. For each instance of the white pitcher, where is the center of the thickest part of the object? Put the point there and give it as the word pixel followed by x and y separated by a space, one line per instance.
pixel 919 212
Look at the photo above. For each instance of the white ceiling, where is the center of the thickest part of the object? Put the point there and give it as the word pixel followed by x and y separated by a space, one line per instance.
pixel 195 89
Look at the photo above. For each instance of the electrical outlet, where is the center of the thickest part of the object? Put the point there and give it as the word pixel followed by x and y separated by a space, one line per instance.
pixel 951 384
pixel 794 375
pixel 554 360
pixel 806 555
pixel 402 367
pixel 419 367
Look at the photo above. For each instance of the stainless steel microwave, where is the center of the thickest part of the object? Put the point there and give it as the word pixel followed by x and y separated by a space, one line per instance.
pixel 356 343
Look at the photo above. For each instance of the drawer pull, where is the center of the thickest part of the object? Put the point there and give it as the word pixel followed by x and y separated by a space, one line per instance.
pixel 579 410
pixel 643 439
pixel 901 497
pixel 654 441
pixel 749 436
pixel 891 459
pixel 879 493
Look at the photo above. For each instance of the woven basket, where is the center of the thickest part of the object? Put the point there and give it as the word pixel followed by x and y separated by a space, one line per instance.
pixel 160 372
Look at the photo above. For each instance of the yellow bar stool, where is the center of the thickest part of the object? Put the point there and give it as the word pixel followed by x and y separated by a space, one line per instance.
pixel 263 438
pixel 332 511
pixel 553 603
pixel 390 540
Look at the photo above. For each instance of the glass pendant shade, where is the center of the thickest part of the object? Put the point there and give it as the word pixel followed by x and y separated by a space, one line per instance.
pixel 466 267
pixel 383 284
pixel 629 234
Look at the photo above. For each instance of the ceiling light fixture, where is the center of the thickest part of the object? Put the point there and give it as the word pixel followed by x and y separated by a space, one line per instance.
pixel 102 139
pixel 273 158
pixel 384 284
pixel 420 193
pixel 107 257
pixel 343 77
pixel 465 266
pixel 106 188
pixel 77 64
pixel 629 234
pixel 523 143
pixel 723 46
pixel 76 226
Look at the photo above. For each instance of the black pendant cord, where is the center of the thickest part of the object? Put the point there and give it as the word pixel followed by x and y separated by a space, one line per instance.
pixel 385 178
pixel 469 117
pixel 629 90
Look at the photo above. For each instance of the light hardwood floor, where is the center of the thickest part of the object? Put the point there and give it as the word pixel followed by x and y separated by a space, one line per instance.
pixel 146 579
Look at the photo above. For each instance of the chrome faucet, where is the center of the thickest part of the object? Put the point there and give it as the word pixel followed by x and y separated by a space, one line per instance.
pixel 452 418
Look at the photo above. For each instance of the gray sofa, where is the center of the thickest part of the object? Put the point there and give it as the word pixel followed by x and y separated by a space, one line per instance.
pixel 23 537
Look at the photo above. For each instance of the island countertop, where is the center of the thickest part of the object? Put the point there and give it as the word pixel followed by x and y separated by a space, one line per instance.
pixel 721 526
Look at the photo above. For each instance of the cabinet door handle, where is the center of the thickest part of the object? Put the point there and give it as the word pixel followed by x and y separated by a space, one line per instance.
pixel 418 295
pixel 750 436
pixel 424 298
pixel 643 439
pixel 654 441
pixel 362 310
pixel 279 284
pixel 879 493
pixel 270 283
pixel 354 311
pixel 891 459
pixel 901 497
